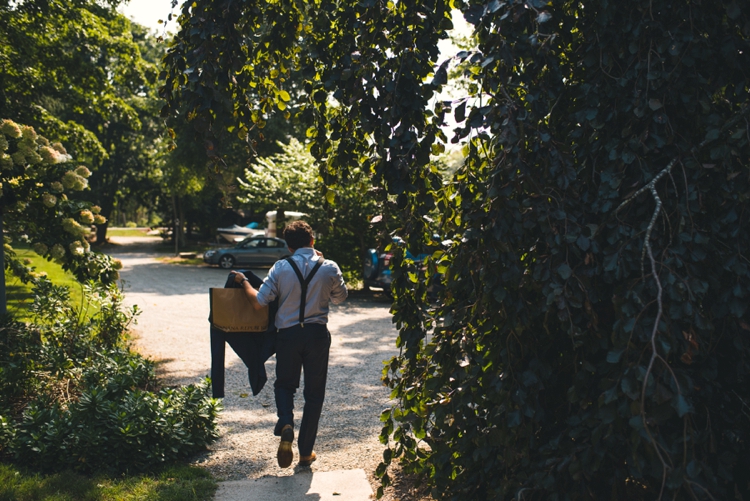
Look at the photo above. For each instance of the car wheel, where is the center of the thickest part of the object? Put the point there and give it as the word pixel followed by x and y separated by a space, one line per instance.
pixel 226 262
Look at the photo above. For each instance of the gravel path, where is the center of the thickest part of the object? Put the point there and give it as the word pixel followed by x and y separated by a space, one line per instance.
pixel 173 330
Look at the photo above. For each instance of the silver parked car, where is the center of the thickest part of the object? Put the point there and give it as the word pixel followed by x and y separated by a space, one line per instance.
pixel 252 251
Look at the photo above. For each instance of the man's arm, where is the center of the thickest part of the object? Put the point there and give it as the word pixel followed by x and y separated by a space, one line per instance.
pixel 251 293
pixel 339 291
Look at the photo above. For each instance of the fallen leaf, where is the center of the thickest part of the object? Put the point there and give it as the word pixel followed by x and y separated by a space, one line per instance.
pixel 243 395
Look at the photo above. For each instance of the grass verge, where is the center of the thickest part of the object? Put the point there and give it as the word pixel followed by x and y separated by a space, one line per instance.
pixel 176 483
pixel 192 261
pixel 127 232
pixel 19 294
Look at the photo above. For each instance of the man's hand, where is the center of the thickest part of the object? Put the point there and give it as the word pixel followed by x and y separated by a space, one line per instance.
pixel 238 277
pixel 319 254
pixel 252 294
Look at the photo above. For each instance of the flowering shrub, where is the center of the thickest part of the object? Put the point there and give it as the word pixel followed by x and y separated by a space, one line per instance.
pixel 39 207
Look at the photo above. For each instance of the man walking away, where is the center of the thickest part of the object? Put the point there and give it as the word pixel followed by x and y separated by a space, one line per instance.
pixel 305 285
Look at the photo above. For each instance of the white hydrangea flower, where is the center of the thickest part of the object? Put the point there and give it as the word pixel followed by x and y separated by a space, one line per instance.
pixel 49 155
pixel 80 184
pixel 69 179
pixel 83 171
pixel 18 158
pixel 76 248
pixel 28 133
pixel 33 158
pixel 87 217
pixel 71 226
pixel 49 200
pixel 58 251
pixel 40 248
pixel 10 128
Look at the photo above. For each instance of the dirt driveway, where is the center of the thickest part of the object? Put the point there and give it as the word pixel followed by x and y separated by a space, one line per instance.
pixel 173 330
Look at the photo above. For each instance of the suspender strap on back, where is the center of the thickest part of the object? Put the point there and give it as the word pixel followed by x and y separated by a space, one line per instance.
pixel 304 282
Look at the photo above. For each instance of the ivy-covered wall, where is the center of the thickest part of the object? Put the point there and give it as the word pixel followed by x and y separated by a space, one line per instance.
pixel 591 339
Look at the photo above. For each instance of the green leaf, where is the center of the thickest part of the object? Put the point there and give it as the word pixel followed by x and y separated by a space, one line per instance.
pixel 514 419
pixel 583 243
pixel 614 356
pixel 733 10
pixel 636 422
pixel 460 113
pixel 682 406
pixel 565 271
pixel 712 135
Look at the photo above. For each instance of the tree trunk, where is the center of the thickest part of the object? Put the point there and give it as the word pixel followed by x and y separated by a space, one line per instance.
pixel 3 299
pixel 181 226
pixel 107 205
pixel 280 223
pixel 175 227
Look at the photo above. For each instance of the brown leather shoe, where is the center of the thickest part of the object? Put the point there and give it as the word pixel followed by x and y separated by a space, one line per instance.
pixel 285 455
pixel 307 460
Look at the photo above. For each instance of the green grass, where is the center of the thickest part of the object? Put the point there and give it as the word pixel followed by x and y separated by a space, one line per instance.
pixel 176 483
pixel 127 232
pixel 192 261
pixel 19 294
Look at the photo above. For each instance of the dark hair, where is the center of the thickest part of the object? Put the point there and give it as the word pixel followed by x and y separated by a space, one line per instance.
pixel 298 234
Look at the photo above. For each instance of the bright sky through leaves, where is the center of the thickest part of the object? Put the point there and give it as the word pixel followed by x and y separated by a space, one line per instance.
pixel 148 12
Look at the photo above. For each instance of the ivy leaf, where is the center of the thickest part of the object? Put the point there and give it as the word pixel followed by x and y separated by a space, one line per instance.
pixel 565 271
pixel 614 356
pixel 514 419
pixel 682 406
pixel 583 243
pixel 712 135
pixel 636 422
pixel 654 104
pixel 493 6
pixel 441 75
pixel 460 113
pixel 543 17
pixel 733 10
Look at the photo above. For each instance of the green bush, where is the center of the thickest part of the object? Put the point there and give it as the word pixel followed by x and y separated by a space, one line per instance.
pixel 131 224
pixel 72 394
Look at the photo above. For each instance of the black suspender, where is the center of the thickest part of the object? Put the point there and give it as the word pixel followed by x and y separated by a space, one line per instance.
pixel 304 282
